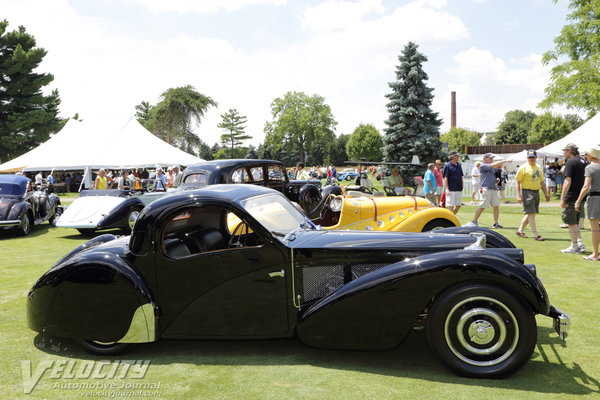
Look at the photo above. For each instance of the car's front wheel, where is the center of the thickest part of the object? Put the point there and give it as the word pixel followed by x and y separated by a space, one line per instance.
pixel 437 223
pixel 348 177
pixel 104 348
pixel 481 331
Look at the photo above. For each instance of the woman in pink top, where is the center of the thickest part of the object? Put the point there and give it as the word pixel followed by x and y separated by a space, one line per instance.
pixel 439 180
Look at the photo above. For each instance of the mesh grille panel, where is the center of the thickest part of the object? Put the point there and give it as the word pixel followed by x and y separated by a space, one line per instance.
pixel 321 281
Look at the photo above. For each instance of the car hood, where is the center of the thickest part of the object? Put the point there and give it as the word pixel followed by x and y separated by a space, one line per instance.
pixel 87 212
pixel 382 240
pixel 6 204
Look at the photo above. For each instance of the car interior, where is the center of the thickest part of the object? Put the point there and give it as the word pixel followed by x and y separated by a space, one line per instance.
pixel 205 229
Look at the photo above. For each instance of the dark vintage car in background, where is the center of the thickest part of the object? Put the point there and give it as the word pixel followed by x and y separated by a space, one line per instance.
pixel 269 173
pixel 22 206
pixel 95 210
pixel 242 262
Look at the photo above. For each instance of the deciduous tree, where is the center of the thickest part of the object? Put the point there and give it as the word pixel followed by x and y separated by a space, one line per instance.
pixel 515 127
pixel 301 125
pixel 365 142
pixel 575 75
pixel 547 128
pixel 458 138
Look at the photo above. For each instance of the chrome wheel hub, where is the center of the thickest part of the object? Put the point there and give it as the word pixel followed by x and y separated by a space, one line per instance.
pixel 481 332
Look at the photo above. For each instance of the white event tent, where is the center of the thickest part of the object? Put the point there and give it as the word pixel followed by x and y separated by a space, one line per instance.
pixel 85 145
pixel 586 135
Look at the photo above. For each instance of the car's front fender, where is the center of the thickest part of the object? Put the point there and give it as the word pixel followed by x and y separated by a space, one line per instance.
pixel 417 221
pixel 377 310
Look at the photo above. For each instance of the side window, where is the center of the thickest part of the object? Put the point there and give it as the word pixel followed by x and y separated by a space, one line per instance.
pixel 196 179
pixel 276 173
pixel 205 229
pixel 239 176
pixel 257 174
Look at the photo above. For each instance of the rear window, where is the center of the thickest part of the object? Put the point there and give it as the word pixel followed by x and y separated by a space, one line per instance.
pixel 11 189
pixel 197 179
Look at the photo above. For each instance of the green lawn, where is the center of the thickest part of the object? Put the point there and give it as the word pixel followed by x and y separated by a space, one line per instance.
pixel 285 369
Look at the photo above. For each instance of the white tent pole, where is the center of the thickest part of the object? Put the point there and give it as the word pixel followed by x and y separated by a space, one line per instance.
pixel 85 173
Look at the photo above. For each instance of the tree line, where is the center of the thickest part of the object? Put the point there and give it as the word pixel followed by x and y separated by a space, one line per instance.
pixel 302 127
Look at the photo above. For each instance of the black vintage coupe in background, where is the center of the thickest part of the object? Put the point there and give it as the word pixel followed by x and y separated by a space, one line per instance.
pixel 268 173
pixel 22 206
pixel 241 261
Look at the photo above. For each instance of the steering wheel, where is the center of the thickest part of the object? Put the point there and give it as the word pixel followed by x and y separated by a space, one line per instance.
pixel 238 227
pixel 325 207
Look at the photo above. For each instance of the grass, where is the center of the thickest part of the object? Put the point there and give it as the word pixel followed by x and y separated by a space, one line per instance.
pixel 286 369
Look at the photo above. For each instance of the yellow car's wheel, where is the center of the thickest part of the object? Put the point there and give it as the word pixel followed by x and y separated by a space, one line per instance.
pixel 437 223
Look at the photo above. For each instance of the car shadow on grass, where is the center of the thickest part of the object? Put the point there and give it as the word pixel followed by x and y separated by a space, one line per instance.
pixel 36 231
pixel 412 359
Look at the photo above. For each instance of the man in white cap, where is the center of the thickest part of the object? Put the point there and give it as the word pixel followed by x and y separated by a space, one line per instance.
pixel 489 191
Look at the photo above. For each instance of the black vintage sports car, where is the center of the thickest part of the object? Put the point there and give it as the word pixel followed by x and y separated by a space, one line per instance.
pixel 269 173
pixel 21 206
pixel 241 261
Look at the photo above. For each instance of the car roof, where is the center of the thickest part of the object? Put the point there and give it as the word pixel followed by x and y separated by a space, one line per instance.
pixel 218 164
pixel 14 179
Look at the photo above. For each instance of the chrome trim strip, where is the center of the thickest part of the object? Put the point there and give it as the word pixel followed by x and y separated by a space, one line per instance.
pixel 142 328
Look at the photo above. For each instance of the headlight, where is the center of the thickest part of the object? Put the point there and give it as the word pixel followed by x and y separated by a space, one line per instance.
pixel 336 204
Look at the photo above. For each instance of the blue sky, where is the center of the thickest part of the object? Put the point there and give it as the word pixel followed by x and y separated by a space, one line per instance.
pixel 109 55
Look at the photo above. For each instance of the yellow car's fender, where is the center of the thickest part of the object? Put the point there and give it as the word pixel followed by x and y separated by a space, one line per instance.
pixel 436 217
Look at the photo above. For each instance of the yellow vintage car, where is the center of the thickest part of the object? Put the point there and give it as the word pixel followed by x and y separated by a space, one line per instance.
pixel 396 213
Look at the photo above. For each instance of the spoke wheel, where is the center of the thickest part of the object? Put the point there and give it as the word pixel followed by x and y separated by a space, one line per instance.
pixel 25 226
pixel 481 331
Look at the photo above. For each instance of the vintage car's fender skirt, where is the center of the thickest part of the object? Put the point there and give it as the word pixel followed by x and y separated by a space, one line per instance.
pixel 96 296
pixel 118 217
pixel 377 310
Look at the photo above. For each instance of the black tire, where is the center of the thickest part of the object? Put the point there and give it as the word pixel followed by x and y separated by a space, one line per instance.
pixel 481 331
pixel 104 349
pixel 25 226
pixel 348 177
pixel 437 223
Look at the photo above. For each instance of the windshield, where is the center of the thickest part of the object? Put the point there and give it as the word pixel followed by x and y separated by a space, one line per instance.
pixel 275 213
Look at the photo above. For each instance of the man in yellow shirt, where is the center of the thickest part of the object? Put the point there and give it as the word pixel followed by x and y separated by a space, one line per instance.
pixel 529 182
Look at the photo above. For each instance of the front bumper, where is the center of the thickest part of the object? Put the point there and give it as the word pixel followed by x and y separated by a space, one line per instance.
pixel 562 321
pixel 10 223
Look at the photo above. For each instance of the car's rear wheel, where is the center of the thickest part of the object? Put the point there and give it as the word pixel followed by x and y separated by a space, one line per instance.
pixel 104 348
pixel 348 177
pixel 481 331
pixel 25 226
pixel 437 223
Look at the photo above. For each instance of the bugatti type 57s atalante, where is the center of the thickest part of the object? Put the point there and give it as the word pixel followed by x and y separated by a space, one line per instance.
pixel 241 261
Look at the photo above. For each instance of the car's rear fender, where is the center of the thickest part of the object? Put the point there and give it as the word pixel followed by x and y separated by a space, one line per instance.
pixel 93 296
pixel 118 216
pixel 377 310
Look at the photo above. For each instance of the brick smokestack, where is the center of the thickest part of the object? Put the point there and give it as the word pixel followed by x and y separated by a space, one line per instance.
pixel 453 110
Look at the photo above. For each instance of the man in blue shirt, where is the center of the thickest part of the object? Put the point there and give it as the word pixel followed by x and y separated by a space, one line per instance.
pixel 453 182
pixel 430 184
pixel 489 191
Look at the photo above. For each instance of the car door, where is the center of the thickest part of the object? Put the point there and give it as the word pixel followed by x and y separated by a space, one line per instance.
pixel 214 281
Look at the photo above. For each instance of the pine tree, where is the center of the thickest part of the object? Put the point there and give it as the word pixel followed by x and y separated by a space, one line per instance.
pixel 413 129
pixel 233 124
pixel 27 117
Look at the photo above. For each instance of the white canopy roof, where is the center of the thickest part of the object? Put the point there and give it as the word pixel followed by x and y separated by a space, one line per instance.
pixel 586 135
pixel 83 144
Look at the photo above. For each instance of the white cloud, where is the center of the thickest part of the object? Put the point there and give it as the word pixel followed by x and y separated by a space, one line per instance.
pixel 200 6
pixel 339 14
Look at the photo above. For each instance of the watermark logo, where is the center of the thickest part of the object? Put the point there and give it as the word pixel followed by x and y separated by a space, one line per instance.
pixel 86 369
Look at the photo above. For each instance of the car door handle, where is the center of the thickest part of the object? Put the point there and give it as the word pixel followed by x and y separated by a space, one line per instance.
pixel 274 274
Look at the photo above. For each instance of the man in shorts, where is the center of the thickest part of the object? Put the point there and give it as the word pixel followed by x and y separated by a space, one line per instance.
pixel 574 179
pixel 488 189
pixel 439 181
pixel 529 182
pixel 453 182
